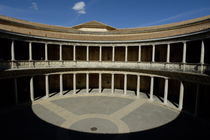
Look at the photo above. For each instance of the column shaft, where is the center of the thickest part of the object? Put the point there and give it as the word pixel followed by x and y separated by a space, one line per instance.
pixel 30 51
pixel 184 52
pixel 87 54
pixel 87 83
pixel 100 53
pixel 113 53
pixel 139 54
pixel 61 84
pixel 16 91
pixel 112 86
pixel 99 82
pixel 12 51
pixel 74 53
pixel 168 53
pixel 47 86
pixel 61 53
pixel 202 53
pixel 166 91
pixel 126 53
pixel 138 85
pixel 46 53
pixel 196 100
pixel 151 88
pixel 181 96
pixel 32 89
pixel 153 53
pixel 125 84
pixel 74 83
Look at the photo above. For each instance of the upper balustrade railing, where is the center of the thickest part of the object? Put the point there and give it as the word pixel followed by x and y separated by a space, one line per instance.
pixel 155 66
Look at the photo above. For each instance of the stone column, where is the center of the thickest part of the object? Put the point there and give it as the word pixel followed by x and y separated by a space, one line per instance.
pixel 181 96
pixel 12 51
pixel 100 53
pixel 74 53
pixel 151 88
pixel 112 84
pixel 168 53
pixel 153 53
pixel 125 84
pixel 87 83
pixel 126 53
pixel 46 53
pixel 61 52
pixel 99 83
pixel 139 54
pixel 202 55
pixel 32 89
pixel 16 91
pixel 74 83
pixel 47 86
pixel 166 91
pixel 138 85
pixel 87 54
pixel 61 84
pixel 113 53
pixel 184 52
pixel 30 51
pixel 196 100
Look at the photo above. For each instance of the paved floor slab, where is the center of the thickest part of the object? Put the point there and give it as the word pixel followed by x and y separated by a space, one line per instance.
pixel 107 113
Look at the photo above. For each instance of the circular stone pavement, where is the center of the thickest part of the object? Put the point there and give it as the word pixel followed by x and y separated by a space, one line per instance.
pixel 95 125
pixel 103 113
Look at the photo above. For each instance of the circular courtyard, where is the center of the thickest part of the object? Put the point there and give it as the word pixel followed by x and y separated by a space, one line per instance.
pixel 106 114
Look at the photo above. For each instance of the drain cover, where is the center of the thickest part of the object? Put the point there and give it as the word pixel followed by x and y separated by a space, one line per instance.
pixel 93 129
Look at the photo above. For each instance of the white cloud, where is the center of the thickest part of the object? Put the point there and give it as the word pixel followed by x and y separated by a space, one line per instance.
pixel 79 7
pixel 34 6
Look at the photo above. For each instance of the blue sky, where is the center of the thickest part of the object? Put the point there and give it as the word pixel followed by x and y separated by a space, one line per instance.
pixel 116 13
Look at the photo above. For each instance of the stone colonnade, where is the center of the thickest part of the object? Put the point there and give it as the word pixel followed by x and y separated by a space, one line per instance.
pixel 181 93
pixel 202 54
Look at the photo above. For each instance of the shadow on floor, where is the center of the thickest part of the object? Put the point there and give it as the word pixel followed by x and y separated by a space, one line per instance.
pixel 22 123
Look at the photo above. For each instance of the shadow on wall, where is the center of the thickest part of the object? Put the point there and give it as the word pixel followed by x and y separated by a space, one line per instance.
pixel 22 123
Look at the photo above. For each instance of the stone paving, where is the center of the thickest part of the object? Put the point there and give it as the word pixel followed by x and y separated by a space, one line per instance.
pixel 103 113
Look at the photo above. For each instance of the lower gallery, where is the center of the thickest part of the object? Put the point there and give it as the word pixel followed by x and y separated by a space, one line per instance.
pixel 102 82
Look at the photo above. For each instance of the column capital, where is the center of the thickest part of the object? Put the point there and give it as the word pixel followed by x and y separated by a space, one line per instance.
pixel 166 78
